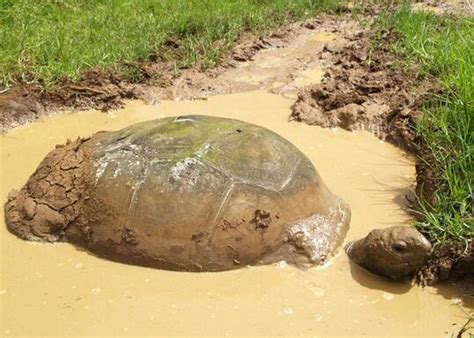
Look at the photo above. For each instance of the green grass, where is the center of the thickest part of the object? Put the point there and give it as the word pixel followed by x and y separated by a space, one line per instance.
pixel 444 47
pixel 44 41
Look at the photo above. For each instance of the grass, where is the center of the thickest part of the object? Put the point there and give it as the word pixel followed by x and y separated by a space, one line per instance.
pixel 444 47
pixel 44 41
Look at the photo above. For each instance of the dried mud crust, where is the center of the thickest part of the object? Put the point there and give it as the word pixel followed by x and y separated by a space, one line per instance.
pixel 52 198
pixel 365 90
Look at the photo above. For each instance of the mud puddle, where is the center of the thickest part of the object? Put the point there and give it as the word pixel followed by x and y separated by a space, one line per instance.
pixel 54 289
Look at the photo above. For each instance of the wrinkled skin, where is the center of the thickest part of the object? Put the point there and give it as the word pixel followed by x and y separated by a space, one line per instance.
pixel 193 193
pixel 395 253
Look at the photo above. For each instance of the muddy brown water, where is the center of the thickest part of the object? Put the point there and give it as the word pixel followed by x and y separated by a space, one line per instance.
pixel 56 289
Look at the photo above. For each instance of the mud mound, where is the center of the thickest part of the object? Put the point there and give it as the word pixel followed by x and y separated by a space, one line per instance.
pixel 364 89
pixel 449 262
pixel 53 196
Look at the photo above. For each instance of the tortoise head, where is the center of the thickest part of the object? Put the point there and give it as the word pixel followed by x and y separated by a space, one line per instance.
pixel 396 252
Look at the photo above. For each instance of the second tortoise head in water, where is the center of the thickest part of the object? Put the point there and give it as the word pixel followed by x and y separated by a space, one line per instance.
pixel 193 193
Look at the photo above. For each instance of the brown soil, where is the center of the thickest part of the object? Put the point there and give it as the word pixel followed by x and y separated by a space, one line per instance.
pixel 106 89
pixel 95 89
pixel 365 89
pixel 450 262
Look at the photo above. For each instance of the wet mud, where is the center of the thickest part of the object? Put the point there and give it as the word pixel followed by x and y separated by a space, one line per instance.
pixel 358 94
pixel 285 61
pixel 450 262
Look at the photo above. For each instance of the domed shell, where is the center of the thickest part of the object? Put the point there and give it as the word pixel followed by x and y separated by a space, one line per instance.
pixel 191 193
pixel 212 193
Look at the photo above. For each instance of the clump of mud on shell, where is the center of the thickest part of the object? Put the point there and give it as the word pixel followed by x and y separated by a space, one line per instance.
pixel 192 193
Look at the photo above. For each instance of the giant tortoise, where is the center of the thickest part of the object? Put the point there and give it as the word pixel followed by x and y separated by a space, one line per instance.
pixel 191 193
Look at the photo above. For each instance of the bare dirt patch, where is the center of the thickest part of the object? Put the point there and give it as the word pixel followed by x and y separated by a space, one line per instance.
pixel 282 62
pixel 365 89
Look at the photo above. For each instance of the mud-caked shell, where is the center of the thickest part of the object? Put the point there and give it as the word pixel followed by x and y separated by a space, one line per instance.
pixel 193 193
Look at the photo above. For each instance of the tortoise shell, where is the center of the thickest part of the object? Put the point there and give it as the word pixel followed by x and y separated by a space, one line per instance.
pixel 191 193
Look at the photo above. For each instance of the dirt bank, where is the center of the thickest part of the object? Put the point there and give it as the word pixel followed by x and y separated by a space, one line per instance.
pixel 363 87
pixel 151 81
